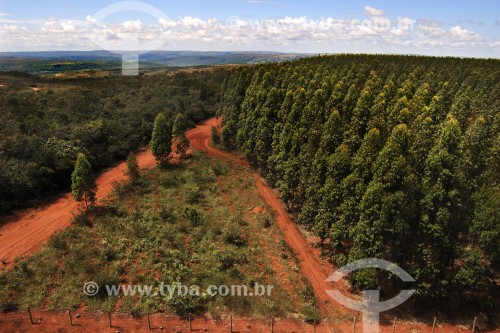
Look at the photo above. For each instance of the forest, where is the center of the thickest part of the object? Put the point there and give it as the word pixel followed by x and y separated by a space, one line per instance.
pixel 393 157
pixel 46 121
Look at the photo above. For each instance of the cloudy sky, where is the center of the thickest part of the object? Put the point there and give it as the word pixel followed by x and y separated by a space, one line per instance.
pixel 458 28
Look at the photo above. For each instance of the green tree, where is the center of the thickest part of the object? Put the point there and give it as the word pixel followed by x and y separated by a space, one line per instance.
pixel 83 185
pixel 179 136
pixel 161 139
pixel 388 207
pixel 133 172
pixel 214 136
pixel 179 127
pixel 442 217
pixel 182 146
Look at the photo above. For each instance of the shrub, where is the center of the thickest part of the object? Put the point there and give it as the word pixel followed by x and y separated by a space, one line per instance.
pixel 104 279
pixel 185 305
pixel 266 221
pixel 193 195
pixel 311 314
pixel 232 235
pixel 193 215
pixel 82 219
pixel 59 243
pixel 220 169
pixel 167 215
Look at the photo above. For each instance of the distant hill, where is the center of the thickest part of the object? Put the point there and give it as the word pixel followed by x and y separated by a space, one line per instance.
pixel 60 61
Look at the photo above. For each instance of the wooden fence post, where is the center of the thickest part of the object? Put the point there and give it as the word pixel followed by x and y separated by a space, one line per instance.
pixel 70 318
pixel 149 322
pixel 433 324
pixel 31 316
pixel 474 324
pixel 231 324
pixel 272 325
pixel 109 318
pixel 190 323
pixel 354 325
pixel 394 326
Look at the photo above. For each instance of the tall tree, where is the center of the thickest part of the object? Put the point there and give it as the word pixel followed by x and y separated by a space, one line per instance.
pixel 83 185
pixel 179 127
pixel 161 139
pixel 179 136
pixel 133 172
pixel 442 211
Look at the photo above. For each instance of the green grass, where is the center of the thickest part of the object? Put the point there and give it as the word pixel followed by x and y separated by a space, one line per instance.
pixel 175 225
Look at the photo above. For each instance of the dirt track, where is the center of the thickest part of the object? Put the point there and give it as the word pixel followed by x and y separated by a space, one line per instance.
pixel 315 270
pixel 24 232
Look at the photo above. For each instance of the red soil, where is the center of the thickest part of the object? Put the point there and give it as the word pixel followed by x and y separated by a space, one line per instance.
pixel 99 322
pixel 26 231
pixel 257 210
pixel 315 270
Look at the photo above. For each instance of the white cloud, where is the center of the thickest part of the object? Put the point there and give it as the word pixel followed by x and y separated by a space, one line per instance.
pixel 370 11
pixel 133 26
pixel 376 33
pixel 464 35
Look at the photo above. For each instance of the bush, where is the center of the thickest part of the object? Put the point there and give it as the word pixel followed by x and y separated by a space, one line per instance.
pixel 266 221
pixel 82 219
pixel 232 235
pixel 185 305
pixel 193 216
pixel 311 314
pixel 167 215
pixel 104 279
pixel 59 243
pixel 193 195
pixel 220 169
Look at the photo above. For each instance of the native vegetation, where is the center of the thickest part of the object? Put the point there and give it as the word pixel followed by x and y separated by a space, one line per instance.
pixel 45 122
pixel 174 226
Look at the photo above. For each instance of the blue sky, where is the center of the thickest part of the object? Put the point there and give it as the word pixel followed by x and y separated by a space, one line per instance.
pixel 461 28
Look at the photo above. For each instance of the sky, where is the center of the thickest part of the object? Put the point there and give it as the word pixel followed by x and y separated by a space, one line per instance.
pixel 442 28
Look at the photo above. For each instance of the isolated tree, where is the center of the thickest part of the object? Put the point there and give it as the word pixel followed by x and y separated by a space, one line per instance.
pixel 161 139
pixel 133 173
pixel 179 126
pixel 179 136
pixel 214 135
pixel 182 146
pixel 83 185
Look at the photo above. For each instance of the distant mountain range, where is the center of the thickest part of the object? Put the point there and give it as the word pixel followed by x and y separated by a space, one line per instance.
pixel 56 61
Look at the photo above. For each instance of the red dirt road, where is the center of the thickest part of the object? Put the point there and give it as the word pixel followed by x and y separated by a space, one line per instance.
pixel 24 232
pixel 315 270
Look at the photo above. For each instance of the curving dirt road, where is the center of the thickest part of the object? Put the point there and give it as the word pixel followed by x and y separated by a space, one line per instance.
pixel 314 269
pixel 24 232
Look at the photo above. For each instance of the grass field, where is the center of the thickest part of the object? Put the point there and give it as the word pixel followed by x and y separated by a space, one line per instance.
pixel 200 222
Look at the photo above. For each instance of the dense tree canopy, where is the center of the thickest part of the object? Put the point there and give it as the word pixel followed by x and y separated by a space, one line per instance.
pixel 42 132
pixel 393 157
